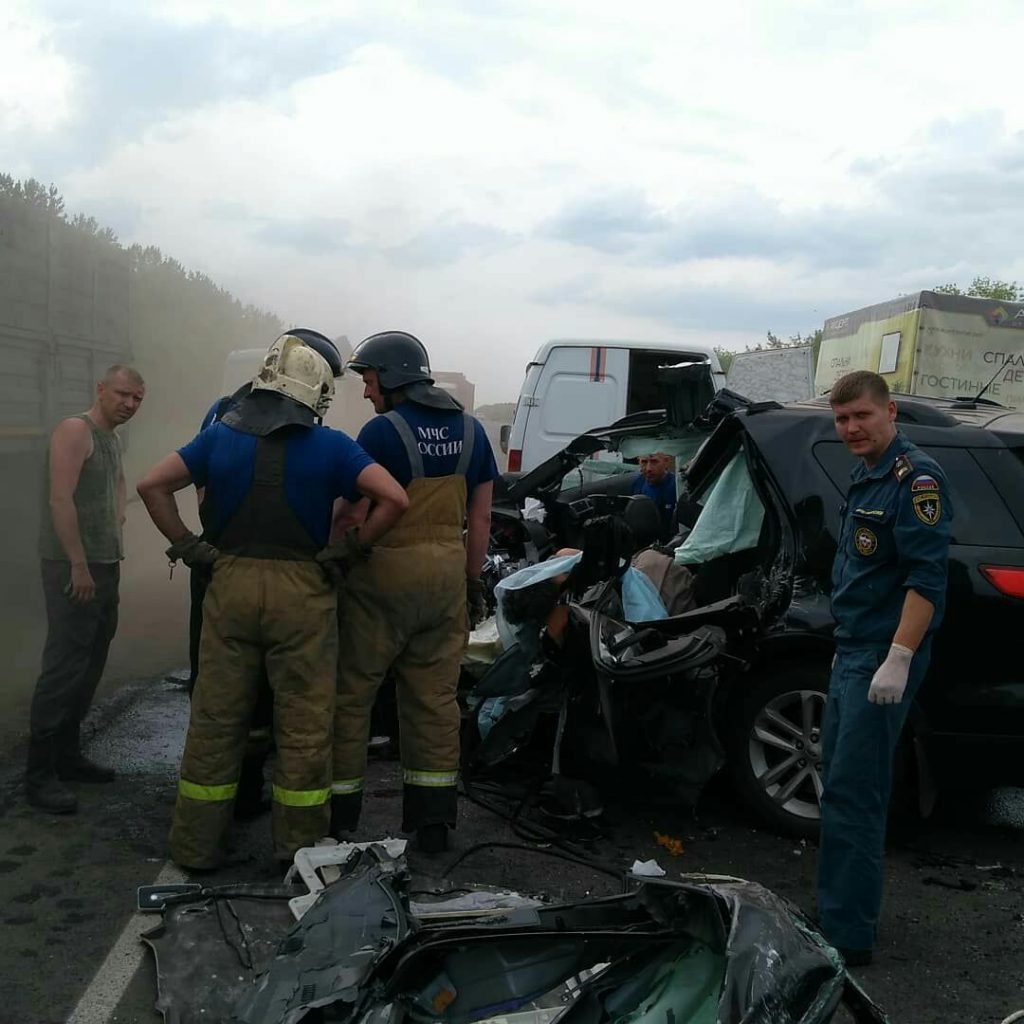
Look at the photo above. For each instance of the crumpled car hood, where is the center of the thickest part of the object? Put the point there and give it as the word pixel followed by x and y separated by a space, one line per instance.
pixel 705 950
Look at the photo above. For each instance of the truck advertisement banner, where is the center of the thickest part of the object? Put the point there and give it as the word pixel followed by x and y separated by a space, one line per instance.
pixel 943 346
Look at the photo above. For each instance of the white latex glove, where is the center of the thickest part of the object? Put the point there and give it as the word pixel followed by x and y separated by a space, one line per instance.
pixel 889 682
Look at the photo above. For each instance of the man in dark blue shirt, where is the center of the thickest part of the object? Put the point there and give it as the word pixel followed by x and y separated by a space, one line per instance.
pixel 270 476
pixel 657 482
pixel 249 801
pixel 405 610
pixel 888 598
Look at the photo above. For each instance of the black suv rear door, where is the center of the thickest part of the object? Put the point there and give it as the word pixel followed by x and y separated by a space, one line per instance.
pixel 975 687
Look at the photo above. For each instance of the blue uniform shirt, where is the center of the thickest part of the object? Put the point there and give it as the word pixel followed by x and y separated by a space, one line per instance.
pixel 894 537
pixel 320 465
pixel 662 494
pixel 438 436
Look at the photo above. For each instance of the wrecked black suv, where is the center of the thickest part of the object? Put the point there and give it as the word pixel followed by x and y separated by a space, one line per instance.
pixel 766 487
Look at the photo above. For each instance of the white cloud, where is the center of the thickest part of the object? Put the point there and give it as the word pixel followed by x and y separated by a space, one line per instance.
pixel 780 154
pixel 35 81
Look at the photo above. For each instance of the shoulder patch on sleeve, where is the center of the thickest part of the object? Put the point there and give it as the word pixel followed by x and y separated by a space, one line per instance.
pixel 902 467
pixel 927 507
pixel 924 482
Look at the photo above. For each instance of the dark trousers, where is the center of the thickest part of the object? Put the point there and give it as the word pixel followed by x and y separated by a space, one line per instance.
pixel 77 640
pixel 858 743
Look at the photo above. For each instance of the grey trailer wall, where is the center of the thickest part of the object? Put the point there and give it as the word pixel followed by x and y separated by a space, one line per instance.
pixel 773 374
pixel 64 317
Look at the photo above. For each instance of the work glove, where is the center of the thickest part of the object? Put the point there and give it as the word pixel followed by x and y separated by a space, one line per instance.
pixel 890 680
pixel 339 556
pixel 476 602
pixel 193 551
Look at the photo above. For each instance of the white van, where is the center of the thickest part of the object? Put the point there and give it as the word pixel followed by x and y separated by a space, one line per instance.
pixel 574 385
pixel 348 412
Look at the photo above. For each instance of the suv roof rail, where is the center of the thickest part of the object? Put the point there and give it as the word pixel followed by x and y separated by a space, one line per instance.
pixel 909 411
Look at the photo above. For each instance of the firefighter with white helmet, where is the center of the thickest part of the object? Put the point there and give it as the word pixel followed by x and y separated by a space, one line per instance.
pixel 271 475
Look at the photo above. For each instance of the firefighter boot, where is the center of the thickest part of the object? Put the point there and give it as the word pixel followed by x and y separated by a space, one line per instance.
pixel 250 802
pixel 42 787
pixel 345 811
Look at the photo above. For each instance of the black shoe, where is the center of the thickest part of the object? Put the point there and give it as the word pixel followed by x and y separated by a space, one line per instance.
pixel 81 769
pixel 432 838
pixel 51 795
pixel 856 957
pixel 345 816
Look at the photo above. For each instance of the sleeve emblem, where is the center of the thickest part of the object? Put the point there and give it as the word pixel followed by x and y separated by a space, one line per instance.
pixel 924 483
pixel 865 541
pixel 928 507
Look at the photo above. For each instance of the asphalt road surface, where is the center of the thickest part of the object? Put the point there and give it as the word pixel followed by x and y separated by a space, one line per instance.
pixel 951 944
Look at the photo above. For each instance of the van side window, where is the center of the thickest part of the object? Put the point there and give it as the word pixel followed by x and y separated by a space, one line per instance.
pixel 644 392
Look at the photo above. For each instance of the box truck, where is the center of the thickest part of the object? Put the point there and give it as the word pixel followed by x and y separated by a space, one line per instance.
pixel 931 343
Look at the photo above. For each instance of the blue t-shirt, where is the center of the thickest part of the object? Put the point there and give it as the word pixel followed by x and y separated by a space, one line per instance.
pixel 320 465
pixel 223 404
pixel 439 436
pixel 662 494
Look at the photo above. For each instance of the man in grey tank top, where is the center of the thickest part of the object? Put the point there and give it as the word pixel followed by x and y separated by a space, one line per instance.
pixel 81 549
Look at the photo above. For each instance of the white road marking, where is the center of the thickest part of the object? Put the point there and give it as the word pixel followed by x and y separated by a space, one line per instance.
pixel 116 972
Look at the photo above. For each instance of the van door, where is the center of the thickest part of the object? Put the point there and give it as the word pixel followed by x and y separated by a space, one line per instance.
pixel 578 387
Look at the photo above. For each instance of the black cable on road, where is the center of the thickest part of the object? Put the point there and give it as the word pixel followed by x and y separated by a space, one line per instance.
pixel 586 862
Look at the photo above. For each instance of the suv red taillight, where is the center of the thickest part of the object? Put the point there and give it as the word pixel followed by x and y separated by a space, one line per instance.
pixel 1008 580
pixel 515 460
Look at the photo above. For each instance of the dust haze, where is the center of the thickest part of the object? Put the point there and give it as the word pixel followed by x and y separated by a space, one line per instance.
pixel 73 300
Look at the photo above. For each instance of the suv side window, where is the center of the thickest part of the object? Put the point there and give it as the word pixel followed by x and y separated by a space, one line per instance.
pixel 1005 468
pixel 980 516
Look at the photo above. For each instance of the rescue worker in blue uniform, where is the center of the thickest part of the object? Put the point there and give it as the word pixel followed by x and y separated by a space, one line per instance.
pixel 657 481
pixel 271 477
pixel 404 611
pixel 888 598
pixel 249 801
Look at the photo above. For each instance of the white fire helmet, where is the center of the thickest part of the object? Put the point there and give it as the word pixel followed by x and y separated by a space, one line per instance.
pixel 292 368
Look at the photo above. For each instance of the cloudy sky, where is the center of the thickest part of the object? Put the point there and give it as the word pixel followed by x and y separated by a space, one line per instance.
pixel 492 174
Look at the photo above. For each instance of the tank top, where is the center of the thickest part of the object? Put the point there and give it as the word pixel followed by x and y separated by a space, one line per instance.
pixel 95 502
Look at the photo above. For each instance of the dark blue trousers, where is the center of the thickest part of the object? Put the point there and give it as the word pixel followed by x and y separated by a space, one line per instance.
pixel 858 743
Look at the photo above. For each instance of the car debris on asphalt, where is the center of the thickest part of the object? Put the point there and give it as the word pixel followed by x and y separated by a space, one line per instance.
pixel 351 935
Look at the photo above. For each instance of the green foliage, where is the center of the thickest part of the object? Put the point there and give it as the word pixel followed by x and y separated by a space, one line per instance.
pixel 181 325
pixel 987 288
pixel 35 193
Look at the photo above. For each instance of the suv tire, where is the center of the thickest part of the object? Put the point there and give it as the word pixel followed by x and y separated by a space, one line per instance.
pixel 774 746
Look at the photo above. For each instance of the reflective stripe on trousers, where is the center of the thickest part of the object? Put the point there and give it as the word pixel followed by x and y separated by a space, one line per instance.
pixel 404 611
pixel 413 777
pixel 343 786
pixel 280 616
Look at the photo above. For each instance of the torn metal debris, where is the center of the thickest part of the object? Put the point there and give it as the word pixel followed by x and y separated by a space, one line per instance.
pixel 704 950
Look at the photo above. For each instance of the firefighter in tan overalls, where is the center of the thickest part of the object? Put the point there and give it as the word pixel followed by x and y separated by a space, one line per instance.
pixel 271 475
pixel 406 609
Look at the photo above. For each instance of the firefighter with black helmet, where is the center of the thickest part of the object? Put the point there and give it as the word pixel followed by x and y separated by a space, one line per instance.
pixel 271 476
pixel 406 610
